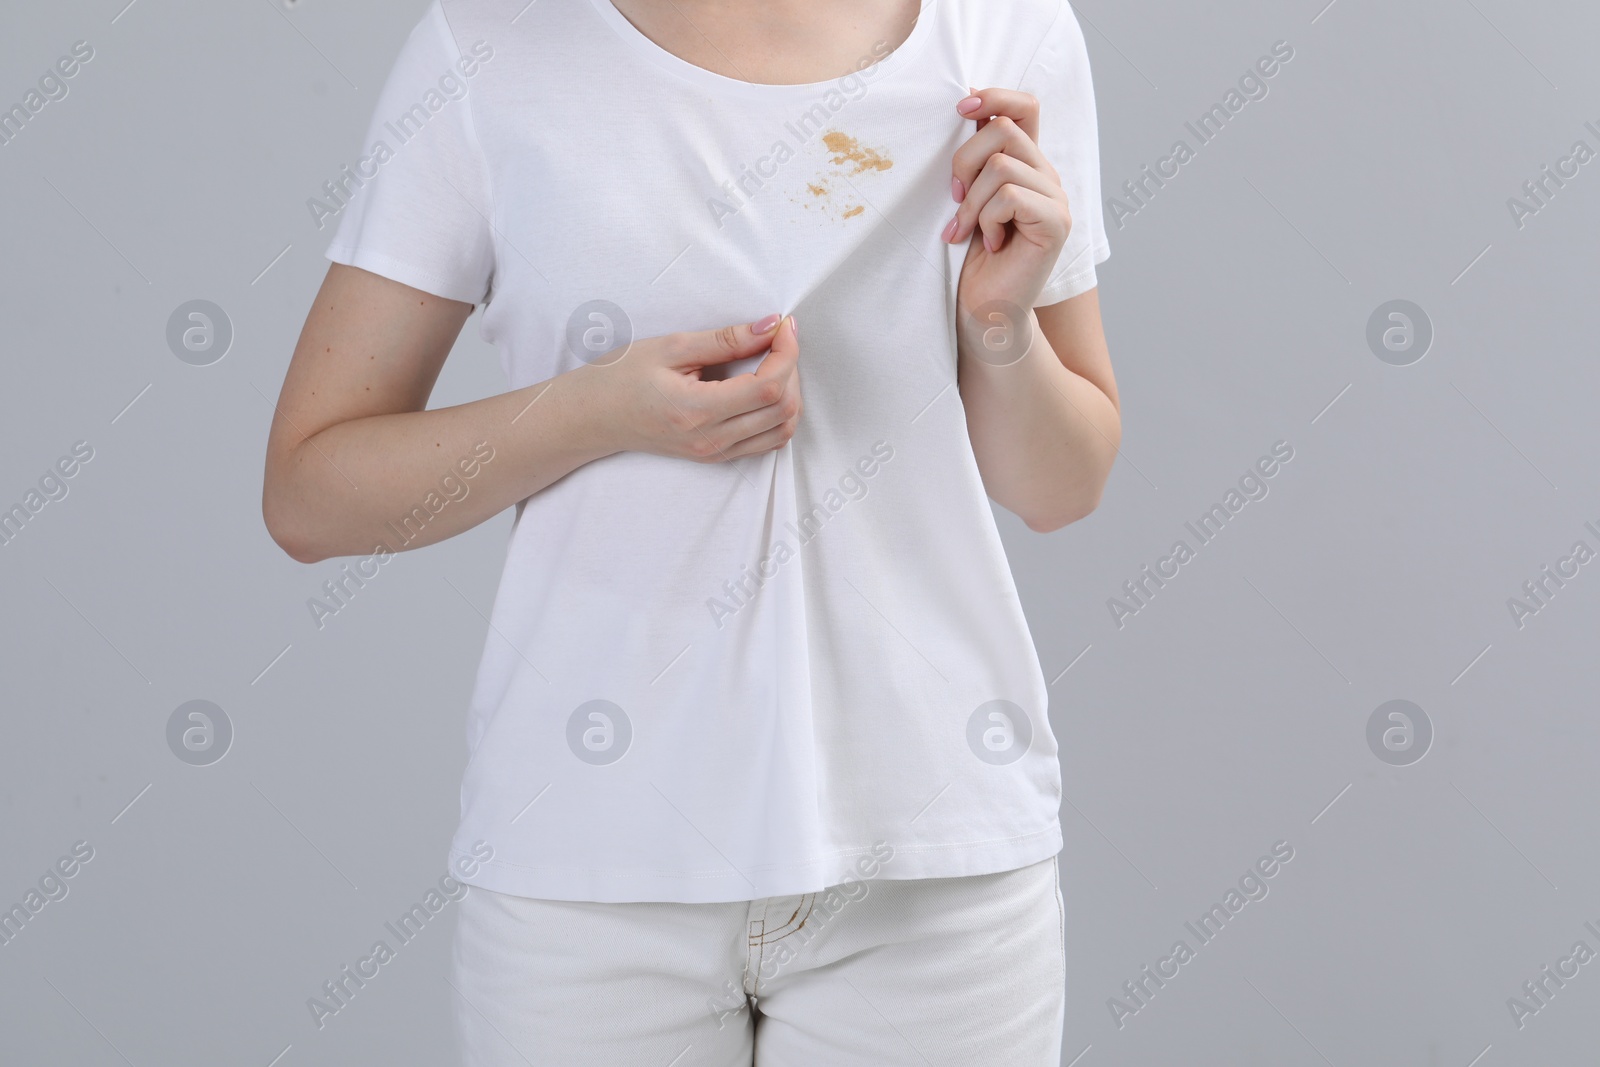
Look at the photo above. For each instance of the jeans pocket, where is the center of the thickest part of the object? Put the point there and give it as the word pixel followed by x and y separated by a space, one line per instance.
pixel 1061 916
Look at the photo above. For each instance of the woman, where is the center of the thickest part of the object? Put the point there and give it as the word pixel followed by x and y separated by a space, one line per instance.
pixel 760 768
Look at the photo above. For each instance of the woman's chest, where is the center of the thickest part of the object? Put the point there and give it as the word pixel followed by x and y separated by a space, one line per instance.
pixel 691 205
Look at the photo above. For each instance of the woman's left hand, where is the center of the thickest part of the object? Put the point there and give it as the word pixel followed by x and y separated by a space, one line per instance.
pixel 1011 202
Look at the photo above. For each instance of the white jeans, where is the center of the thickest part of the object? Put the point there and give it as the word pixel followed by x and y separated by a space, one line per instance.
pixel 966 971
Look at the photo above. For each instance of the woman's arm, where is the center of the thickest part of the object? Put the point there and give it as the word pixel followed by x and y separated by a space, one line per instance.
pixel 1041 400
pixel 351 447
pixel 1044 429
pixel 352 450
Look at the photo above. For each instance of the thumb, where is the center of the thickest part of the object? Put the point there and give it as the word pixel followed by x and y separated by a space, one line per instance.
pixel 785 352
pixel 706 348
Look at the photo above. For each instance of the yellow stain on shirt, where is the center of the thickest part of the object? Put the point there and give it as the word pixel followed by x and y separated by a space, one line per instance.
pixel 847 149
pixel 851 157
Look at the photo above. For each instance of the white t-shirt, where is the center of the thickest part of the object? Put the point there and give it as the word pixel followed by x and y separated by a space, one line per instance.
pixel 718 682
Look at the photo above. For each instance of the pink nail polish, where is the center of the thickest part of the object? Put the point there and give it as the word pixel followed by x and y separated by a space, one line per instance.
pixel 969 105
pixel 949 230
pixel 958 192
pixel 763 325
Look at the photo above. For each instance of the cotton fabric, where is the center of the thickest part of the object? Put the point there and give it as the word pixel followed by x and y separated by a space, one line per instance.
pixel 721 682
pixel 870 973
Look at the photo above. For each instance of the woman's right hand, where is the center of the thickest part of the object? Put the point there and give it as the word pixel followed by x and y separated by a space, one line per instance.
pixel 655 399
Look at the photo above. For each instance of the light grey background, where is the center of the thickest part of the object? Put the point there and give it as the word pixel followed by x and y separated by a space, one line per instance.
pixel 1228 714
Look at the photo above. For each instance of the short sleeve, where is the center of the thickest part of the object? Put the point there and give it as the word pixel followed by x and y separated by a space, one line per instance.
pixel 1058 75
pixel 416 206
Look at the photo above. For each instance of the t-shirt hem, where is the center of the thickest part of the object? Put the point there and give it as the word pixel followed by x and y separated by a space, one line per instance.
pixel 406 273
pixel 721 886
pixel 1074 283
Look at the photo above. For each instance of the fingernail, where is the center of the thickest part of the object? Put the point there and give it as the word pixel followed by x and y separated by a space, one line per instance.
pixel 988 244
pixel 958 192
pixel 950 230
pixel 766 324
pixel 969 105
pixel 794 327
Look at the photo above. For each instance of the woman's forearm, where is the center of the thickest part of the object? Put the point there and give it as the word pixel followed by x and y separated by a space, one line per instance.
pixel 1044 437
pixel 414 478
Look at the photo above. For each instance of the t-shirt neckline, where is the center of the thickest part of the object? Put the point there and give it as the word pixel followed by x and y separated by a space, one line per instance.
pixel 721 83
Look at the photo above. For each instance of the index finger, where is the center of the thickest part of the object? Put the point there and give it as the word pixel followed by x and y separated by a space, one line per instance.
pixel 766 384
pixel 1016 105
